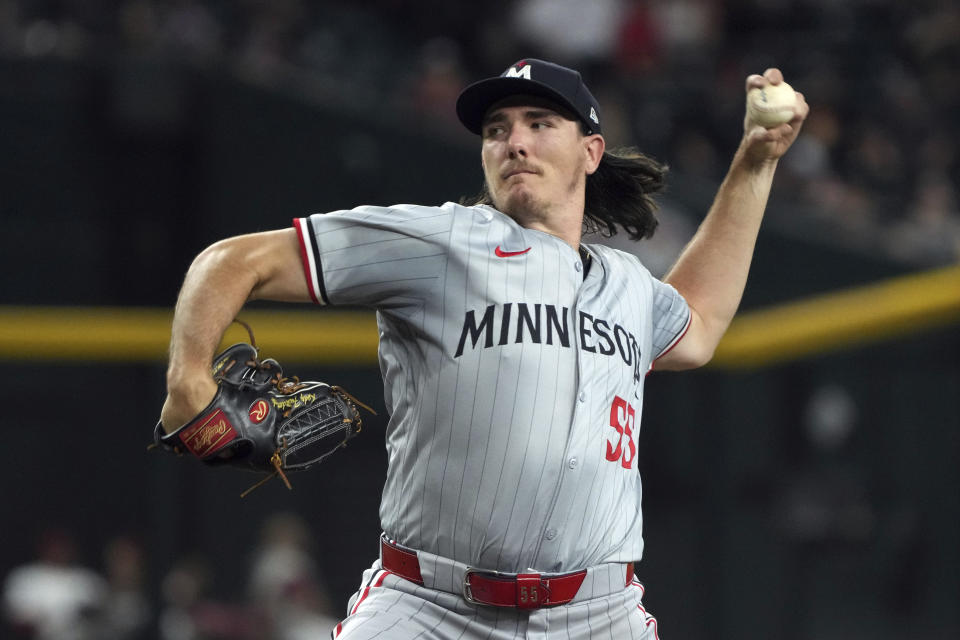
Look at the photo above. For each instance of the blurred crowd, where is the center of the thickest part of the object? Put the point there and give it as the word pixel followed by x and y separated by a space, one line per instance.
pixel 876 168
pixel 60 596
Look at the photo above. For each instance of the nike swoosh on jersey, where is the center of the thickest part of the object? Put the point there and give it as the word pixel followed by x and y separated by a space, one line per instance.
pixel 500 253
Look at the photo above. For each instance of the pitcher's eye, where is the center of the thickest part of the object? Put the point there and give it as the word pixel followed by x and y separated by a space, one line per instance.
pixel 492 131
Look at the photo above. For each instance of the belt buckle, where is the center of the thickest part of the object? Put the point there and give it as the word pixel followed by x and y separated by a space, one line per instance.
pixel 468 593
pixel 528 586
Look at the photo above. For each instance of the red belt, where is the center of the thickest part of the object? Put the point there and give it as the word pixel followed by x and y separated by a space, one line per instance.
pixel 523 590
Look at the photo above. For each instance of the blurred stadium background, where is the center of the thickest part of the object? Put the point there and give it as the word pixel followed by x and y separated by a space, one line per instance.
pixel 805 486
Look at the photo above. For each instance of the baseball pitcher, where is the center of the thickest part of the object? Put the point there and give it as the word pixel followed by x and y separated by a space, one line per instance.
pixel 513 357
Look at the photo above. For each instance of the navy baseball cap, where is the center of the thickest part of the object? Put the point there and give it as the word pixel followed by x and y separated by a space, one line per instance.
pixel 531 77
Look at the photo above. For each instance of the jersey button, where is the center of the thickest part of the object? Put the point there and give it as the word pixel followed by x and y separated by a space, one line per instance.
pixel 573 463
pixel 577 266
pixel 583 396
pixel 551 534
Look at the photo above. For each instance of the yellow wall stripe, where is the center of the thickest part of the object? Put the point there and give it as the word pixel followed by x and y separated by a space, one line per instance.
pixel 853 317
pixel 138 334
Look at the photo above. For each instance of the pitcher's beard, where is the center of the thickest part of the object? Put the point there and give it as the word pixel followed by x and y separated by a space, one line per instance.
pixel 524 208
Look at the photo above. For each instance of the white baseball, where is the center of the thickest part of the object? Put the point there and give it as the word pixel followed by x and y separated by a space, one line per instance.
pixel 771 105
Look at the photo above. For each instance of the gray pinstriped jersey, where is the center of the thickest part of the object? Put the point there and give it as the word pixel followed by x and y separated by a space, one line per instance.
pixel 514 384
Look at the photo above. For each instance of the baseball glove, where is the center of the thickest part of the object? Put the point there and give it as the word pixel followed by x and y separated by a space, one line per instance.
pixel 261 421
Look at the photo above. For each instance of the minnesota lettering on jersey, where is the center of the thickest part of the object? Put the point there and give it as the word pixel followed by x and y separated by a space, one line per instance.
pixel 545 324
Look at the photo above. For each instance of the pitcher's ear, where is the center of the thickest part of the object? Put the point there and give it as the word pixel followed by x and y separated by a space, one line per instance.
pixel 594 146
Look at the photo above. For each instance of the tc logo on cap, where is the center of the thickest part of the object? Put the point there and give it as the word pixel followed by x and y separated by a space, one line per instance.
pixel 522 70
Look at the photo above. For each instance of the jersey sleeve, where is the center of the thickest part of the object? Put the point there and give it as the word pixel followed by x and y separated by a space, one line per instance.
pixel 374 256
pixel 671 318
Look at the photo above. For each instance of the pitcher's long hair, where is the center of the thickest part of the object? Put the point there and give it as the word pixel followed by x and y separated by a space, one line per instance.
pixel 618 194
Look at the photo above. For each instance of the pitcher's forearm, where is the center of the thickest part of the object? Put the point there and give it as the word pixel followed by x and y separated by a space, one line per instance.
pixel 711 272
pixel 215 289
pixel 262 266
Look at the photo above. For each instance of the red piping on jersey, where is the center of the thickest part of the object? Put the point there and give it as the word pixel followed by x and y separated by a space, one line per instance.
pixel 305 260
pixel 363 597
pixel 653 621
pixel 366 591
pixel 650 619
pixel 675 343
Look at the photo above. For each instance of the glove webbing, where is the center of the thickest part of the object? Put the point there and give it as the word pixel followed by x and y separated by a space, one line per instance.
pixel 276 460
